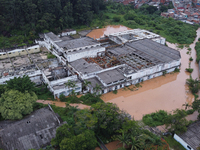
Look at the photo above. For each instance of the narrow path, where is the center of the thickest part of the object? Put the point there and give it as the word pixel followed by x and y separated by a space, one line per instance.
pixel 62 104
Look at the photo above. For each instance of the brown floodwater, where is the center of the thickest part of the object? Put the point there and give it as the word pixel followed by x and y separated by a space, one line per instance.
pixel 167 92
pixel 98 33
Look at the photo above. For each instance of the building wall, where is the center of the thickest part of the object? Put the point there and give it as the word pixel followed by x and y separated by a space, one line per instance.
pixel 68 33
pixel 84 54
pixel 183 143
pixel 17 52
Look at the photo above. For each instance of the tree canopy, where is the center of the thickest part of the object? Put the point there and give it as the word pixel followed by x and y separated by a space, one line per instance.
pixel 14 104
pixel 22 84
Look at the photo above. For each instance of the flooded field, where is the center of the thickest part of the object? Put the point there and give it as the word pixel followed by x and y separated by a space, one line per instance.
pixel 97 33
pixel 166 92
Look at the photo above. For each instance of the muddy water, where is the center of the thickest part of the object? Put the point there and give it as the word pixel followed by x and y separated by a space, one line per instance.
pixel 166 92
pixel 97 33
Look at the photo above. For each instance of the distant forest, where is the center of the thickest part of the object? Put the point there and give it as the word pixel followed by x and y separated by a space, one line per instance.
pixel 28 17
pixel 22 20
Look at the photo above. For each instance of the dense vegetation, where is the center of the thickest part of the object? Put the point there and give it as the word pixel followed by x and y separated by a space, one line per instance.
pixel 21 21
pixel 197 48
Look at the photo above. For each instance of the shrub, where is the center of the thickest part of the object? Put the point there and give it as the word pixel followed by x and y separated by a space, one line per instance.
pixel 115 91
pixel 180 46
pixel 155 119
pixel 62 98
pixel 190 70
pixel 190 59
pixel 189 49
pixel 176 70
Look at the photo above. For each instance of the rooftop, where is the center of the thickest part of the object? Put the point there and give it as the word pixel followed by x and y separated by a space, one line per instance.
pixel 192 136
pixel 76 43
pixel 32 132
pixel 53 37
pixel 84 67
pixel 155 50
pixel 111 76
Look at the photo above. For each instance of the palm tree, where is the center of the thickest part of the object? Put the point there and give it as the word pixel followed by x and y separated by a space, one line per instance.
pixel 135 143
pixel 85 84
pixel 123 138
pixel 96 89
pixel 71 84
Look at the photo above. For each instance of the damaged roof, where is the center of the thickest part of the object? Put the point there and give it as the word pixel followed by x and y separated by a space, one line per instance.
pixel 33 132
pixel 76 43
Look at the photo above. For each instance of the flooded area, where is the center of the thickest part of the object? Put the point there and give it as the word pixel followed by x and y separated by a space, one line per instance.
pixel 98 33
pixel 165 92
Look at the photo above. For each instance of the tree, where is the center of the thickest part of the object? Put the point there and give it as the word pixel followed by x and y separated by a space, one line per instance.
pixel 196 106
pixel 14 104
pixel 110 119
pixel 97 89
pixel 85 84
pixel 177 121
pixel 193 85
pixel 22 84
pixel 123 138
pixel 83 141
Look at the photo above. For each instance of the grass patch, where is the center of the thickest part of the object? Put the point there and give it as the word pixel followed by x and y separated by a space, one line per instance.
pixel 173 143
pixel 49 56
pixel 138 85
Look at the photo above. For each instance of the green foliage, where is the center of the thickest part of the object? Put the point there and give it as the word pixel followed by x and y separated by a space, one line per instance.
pixel 50 56
pixel 43 93
pixel 22 20
pixel 14 104
pixel 197 48
pixel 115 91
pixel 155 119
pixel 190 59
pixel 84 141
pixel 164 73
pixel 62 98
pixel 173 143
pixel 90 99
pixel 189 49
pixel 21 84
pixel 66 114
pixel 193 85
pixel 176 70
pixel 190 70
pixel 116 18
pixel 180 46
pixel 177 122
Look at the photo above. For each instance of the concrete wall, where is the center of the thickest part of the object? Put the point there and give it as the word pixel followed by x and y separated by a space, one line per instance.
pixel 90 53
pixel 183 143
pixel 17 52
pixel 68 33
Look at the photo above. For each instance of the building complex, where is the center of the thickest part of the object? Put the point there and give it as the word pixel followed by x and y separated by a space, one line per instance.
pixel 111 62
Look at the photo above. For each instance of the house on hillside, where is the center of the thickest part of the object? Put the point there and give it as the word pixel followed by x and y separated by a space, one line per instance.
pixel 33 132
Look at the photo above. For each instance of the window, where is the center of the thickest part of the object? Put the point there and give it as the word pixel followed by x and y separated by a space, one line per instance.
pixel 189 147
pixel 41 136
pixel 28 122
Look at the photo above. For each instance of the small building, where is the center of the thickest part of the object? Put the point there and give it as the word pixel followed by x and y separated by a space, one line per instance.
pixel 191 138
pixel 67 32
pixel 32 132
